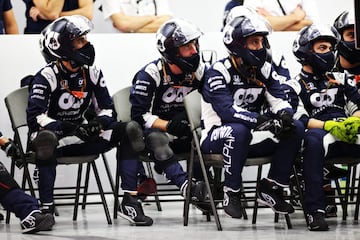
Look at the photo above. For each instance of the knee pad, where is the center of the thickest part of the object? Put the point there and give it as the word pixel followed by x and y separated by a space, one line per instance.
pixel 7 183
pixel 44 146
pixel 135 135
pixel 158 143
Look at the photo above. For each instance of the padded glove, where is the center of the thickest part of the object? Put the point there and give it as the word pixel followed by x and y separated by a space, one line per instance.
pixel 338 129
pixel 88 132
pixel 68 128
pixel 265 123
pixel 352 125
pixel 287 123
pixel 11 149
pixel 179 125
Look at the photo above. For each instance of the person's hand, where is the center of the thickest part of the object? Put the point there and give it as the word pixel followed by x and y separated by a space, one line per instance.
pixel 339 130
pixel 88 132
pixel 262 11
pixel 34 13
pixel 179 125
pixel 299 13
pixel 265 123
pixel 68 128
pixel 352 125
pixel 11 149
pixel 287 123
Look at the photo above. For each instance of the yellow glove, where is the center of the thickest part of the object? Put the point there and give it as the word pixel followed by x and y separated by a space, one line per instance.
pixel 339 130
pixel 352 125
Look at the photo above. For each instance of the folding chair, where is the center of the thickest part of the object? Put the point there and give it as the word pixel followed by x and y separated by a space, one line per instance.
pixel 16 104
pixel 193 108
pixel 343 193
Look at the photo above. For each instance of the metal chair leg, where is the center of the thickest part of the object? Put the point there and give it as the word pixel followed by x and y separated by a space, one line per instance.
pixel 116 191
pixel 77 192
pixel 156 195
pixel 86 186
pixel 256 204
pixel 101 191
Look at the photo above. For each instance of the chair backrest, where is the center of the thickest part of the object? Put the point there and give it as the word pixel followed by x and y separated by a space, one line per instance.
pixel 192 103
pixel 122 104
pixel 16 104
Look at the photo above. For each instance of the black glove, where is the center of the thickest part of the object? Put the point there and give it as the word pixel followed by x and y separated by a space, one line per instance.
pixel 68 128
pixel 11 150
pixel 287 123
pixel 265 123
pixel 179 125
pixel 88 132
pixel 91 116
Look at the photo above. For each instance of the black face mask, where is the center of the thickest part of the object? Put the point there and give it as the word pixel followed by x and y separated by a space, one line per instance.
pixel 255 58
pixel 83 56
pixel 322 62
pixel 348 51
pixel 188 64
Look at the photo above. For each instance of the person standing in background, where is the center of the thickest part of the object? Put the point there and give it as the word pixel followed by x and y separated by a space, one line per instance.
pixel 142 16
pixel 40 13
pixel 289 15
pixel 8 24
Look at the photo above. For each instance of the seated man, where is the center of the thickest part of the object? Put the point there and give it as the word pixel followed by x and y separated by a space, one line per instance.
pixel 15 200
pixel 60 117
pixel 157 105
pixel 320 98
pixel 236 90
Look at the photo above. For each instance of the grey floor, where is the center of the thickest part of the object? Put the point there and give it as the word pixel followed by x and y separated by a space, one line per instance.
pixel 168 225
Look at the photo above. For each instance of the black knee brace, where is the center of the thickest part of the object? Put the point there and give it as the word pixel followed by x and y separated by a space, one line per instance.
pixel 158 143
pixel 7 183
pixel 135 135
pixel 44 146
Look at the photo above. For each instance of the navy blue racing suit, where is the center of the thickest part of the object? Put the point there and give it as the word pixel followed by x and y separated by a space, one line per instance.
pixel 314 97
pixel 231 105
pixel 58 96
pixel 158 93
